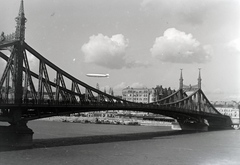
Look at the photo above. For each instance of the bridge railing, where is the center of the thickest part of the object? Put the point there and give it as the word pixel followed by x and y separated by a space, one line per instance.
pixel 59 95
pixel 197 101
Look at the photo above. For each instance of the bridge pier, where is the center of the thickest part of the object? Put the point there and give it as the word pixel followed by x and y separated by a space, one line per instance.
pixel 220 124
pixel 16 136
pixel 203 125
pixel 191 126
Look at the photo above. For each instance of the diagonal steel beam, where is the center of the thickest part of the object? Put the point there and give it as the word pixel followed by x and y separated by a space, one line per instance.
pixel 47 85
pixel 4 45
pixel 54 67
pixel 29 77
pixel 7 68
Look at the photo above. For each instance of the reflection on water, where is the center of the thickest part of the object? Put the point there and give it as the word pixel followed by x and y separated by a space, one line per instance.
pixel 206 148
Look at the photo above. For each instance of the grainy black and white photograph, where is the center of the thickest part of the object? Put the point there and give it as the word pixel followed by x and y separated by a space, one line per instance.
pixel 119 82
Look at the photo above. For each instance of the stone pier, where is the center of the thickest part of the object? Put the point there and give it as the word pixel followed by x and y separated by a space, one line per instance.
pixel 16 136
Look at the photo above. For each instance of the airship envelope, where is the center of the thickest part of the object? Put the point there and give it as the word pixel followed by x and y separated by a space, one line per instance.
pixel 97 75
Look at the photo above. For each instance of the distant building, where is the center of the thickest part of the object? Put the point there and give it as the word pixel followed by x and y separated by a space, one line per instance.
pixel 139 95
pixel 145 95
pixel 228 108
pixel 161 92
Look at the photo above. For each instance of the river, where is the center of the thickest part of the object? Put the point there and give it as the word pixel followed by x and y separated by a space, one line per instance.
pixel 57 143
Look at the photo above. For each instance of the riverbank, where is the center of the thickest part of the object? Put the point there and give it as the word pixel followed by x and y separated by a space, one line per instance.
pixel 107 120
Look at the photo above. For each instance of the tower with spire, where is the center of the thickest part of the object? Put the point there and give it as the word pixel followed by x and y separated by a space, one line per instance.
pixel 190 87
pixel 181 80
pixel 199 79
pixel 18 54
pixel 21 20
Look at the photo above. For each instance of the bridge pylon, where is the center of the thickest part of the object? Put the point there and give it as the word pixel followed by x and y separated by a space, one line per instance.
pixel 17 134
pixel 15 66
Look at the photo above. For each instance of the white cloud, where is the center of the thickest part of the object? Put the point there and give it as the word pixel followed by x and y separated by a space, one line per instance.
pixel 120 86
pixel 234 45
pixel 123 85
pixel 105 51
pixel 109 52
pixel 218 91
pixel 137 85
pixel 178 47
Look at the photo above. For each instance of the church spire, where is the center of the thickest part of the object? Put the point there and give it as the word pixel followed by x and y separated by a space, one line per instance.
pixel 181 80
pixel 21 20
pixel 199 79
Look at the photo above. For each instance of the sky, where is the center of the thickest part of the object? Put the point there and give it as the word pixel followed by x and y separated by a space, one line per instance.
pixel 139 43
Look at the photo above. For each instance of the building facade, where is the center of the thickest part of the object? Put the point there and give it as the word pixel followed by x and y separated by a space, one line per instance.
pixel 161 92
pixel 145 95
pixel 139 95
pixel 230 109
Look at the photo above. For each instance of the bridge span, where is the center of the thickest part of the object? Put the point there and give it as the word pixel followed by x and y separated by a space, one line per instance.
pixel 27 95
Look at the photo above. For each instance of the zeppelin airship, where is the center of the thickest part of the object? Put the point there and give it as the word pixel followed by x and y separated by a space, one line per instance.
pixel 97 75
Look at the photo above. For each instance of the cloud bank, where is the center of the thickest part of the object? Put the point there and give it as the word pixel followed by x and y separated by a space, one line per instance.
pixel 234 46
pixel 178 47
pixel 105 51
pixel 194 12
pixel 109 52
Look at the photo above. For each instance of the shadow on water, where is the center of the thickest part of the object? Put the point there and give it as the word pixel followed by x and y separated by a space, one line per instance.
pixel 70 141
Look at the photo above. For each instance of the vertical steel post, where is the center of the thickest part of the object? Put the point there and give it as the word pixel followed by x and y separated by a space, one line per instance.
pixel 18 64
pixel 199 87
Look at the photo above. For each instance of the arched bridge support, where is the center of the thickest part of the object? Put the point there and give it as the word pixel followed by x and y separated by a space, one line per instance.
pixel 220 124
pixel 204 124
pixel 193 125
pixel 17 134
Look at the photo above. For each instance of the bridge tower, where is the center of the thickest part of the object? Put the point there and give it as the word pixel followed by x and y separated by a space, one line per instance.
pixel 185 125
pixel 180 95
pixel 181 80
pixel 18 63
pixel 17 134
pixel 199 79
pixel 199 87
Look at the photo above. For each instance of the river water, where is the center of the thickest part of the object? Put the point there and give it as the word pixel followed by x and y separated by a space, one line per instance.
pixel 58 143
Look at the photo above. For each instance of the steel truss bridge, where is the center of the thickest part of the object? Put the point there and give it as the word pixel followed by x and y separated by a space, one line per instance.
pixel 28 95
